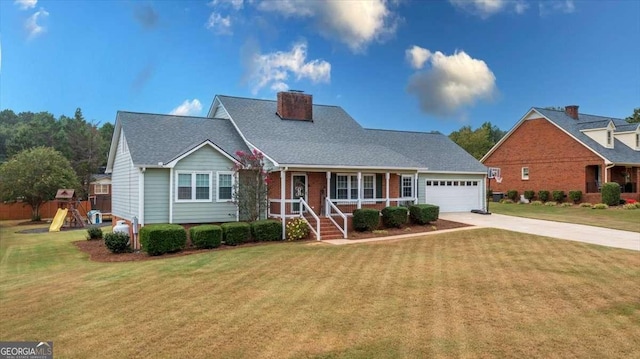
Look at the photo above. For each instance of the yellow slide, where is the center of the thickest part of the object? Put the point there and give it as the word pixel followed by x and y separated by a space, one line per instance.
pixel 58 220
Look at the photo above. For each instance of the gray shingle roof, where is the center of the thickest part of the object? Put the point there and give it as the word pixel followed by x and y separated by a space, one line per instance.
pixel 154 138
pixel 620 153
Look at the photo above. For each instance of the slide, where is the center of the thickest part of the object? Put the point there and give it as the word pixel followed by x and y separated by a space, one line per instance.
pixel 58 220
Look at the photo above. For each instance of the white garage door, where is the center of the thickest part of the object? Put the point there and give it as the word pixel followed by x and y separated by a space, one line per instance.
pixel 454 195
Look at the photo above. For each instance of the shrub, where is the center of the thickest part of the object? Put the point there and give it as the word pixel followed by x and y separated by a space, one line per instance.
pixel 630 206
pixel 512 194
pixel 610 193
pixel 117 242
pixel 157 239
pixel 536 203
pixel 507 201
pixel 543 195
pixel 366 219
pixel 600 206
pixel 529 194
pixel 266 230
pixel 394 216
pixel 575 196
pixel 558 196
pixel 490 194
pixel 235 233
pixel 551 204
pixel 94 233
pixel 297 229
pixel 585 205
pixel 206 236
pixel 566 204
pixel 424 213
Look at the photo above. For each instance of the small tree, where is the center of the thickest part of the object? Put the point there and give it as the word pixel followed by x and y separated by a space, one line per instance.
pixel 611 193
pixel 252 187
pixel 35 175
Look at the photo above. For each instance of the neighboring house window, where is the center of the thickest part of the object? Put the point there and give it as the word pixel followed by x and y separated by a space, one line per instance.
pixel 407 186
pixel 194 186
pixel 347 186
pixel 525 173
pixel 609 138
pixel 100 188
pixel 225 186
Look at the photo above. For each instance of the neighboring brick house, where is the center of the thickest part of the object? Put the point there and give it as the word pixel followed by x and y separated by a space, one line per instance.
pixel 566 150
pixel 178 169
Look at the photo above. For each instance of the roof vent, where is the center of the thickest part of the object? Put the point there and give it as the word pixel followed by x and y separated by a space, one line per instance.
pixel 295 105
pixel 571 111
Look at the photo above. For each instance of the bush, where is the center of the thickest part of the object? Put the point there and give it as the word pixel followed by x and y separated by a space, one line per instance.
pixel 611 193
pixel 529 195
pixel 490 194
pixel 366 219
pixel 297 229
pixel 551 204
pixel 537 203
pixel 566 204
pixel 424 213
pixel 117 242
pixel 94 233
pixel 543 195
pixel 630 206
pixel 600 206
pixel 235 233
pixel 507 201
pixel 266 230
pixel 157 239
pixel 575 196
pixel 558 196
pixel 585 205
pixel 394 216
pixel 206 236
pixel 512 194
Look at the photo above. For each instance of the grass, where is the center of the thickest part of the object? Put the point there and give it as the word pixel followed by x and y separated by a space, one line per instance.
pixel 615 217
pixel 475 293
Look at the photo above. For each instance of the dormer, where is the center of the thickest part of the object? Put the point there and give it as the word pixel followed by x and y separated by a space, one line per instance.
pixel 629 135
pixel 602 135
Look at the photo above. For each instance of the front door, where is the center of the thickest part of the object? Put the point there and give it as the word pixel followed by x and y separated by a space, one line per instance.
pixel 298 190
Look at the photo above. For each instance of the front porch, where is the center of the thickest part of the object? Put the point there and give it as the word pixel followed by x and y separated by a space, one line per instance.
pixel 326 199
pixel 627 177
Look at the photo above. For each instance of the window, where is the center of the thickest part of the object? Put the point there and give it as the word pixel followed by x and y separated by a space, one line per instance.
pixel 347 186
pixel 368 186
pixel 637 140
pixel 193 186
pixel 407 186
pixel 342 187
pixel 100 188
pixel 610 138
pixel 225 186
pixel 525 173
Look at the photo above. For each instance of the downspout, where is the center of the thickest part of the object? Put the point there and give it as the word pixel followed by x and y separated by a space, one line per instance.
pixel 283 211
pixel 171 194
pixel 606 172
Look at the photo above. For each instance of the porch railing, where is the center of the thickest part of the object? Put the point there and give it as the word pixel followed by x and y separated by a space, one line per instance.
pixel 347 206
pixel 275 208
pixel 305 206
pixel 333 210
pixel 304 211
pixel 594 187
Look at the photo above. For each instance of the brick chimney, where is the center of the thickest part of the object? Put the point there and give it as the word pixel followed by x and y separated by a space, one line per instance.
pixel 295 105
pixel 572 111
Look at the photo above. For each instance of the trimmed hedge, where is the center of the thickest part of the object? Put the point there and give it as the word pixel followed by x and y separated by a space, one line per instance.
pixel 512 194
pixel 529 195
pixel 394 216
pixel 235 233
pixel 575 196
pixel 206 236
pixel 366 219
pixel 157 239
pixel 94 233
pixel 611 193
pixel 117 242
pixel 543 195
pixel 424 213
pixel 267 230
pixel 558 196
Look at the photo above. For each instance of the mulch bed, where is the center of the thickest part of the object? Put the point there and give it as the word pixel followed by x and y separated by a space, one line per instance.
pixel 438 225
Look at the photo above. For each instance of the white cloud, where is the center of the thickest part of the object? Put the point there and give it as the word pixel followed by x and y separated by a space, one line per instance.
pixel 26 4
pixel 32 26
pixel 355 23
pixel 235 4
pixel 562 6
pixel 417 56
pixel 219 24
pixel 451 83
pixel 274 69
pixel 487 8
pixel 188 108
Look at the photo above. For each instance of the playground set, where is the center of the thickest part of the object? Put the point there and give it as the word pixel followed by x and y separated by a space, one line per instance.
pixel 68 214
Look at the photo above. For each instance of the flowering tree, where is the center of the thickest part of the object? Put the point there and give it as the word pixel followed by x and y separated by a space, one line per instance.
pixel 251 189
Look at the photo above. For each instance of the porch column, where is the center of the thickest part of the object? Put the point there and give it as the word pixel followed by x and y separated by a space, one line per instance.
pixel 387 175
pixel 283 179
pixel 171 195
pixel 328 195
pixel 415 185
pixel 359 190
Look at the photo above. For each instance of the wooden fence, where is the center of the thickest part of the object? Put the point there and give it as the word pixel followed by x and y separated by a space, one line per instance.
pixel 21 210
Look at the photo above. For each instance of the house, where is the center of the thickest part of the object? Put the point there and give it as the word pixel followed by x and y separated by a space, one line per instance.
pixel 567 150
pixel 100 192
pixel 176 169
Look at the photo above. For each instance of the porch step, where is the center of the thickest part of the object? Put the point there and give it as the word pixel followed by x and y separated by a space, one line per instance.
pixel 327 229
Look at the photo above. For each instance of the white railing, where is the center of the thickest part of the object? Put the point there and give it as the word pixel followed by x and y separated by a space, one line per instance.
pixel 347 206
pixel 305 206
pixel 275 208
pixel 331 208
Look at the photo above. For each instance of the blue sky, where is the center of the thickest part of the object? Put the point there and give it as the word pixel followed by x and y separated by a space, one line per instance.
pixel 397 64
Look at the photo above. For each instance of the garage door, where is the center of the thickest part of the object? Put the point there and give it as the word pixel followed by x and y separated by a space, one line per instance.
pixel 454 195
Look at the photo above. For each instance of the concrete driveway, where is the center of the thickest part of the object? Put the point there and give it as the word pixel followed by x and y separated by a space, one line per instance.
pixel 569 231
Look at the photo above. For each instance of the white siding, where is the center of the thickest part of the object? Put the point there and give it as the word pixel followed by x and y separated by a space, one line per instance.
pixel 124 183
pixel 156 195
pixel 204 159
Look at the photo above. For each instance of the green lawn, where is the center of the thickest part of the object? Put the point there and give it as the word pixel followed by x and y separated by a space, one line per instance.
pixel 614 217
pixel 474 293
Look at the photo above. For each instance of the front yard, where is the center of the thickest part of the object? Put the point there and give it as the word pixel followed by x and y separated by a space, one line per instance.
pixel 613 217
pixel 475 293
